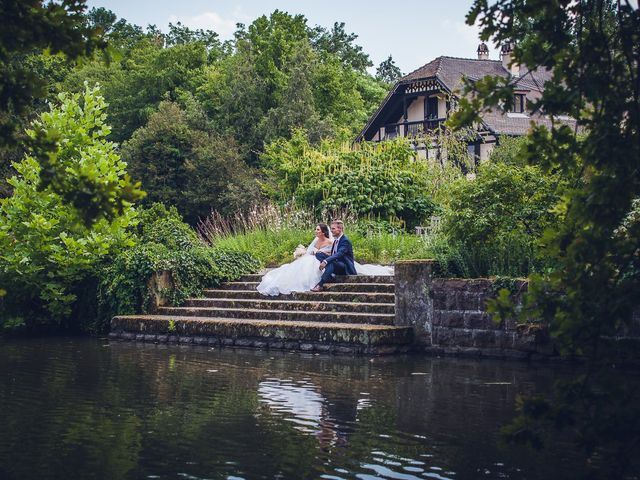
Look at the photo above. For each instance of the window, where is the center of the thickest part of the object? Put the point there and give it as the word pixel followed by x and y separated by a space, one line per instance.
pixel 519 103
pixel 431 108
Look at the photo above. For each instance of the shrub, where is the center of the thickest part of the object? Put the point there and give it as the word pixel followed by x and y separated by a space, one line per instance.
pixel 495 221
pixel 49 249
pixel 166 244
pixel 375 180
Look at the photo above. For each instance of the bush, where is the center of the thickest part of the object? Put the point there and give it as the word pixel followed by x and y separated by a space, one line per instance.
pixel 166 244
pixel 49 249
pixel 495 222
pixel 184 163
pixel 381 181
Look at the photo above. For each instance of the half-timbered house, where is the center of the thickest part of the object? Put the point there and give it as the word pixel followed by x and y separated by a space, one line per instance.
pixel 422 100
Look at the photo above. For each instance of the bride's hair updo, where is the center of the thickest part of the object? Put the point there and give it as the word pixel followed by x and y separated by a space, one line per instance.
pixel 325 229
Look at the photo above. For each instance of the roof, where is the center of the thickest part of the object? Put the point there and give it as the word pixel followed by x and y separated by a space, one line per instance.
pixel 503 123
pixel 450 72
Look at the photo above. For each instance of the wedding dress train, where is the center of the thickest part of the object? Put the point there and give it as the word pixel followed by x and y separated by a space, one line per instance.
pixel 304 273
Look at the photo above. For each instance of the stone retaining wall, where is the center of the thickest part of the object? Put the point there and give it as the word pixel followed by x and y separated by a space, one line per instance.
pixel 263 343
pixel 449 316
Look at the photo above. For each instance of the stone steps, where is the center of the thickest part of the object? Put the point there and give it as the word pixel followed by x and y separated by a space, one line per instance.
pixel 285 315
pixel 291 305
pixel 327 296
pixel 305 336
pixel 353 315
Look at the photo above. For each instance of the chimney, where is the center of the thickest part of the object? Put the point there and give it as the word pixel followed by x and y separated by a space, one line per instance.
pixel 506 55
pixel 483 51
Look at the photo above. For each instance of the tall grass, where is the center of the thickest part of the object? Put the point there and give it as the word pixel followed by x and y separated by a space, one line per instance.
pixel 271 234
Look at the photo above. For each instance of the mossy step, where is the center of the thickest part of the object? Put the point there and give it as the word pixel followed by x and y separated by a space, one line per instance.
pixel 339 278
pixel 354 297
pixel 332 287
pixel 292 305
pixel 285 315
pixel 320 336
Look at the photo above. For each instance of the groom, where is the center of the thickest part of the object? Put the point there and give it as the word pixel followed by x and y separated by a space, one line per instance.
pixel 340 262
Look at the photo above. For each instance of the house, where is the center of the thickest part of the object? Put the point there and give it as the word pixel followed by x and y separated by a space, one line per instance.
pixel 422 100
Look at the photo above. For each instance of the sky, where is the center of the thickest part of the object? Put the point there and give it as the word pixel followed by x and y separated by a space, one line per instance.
pixel 414 32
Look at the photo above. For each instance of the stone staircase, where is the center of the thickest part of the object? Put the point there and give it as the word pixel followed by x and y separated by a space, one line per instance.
pixel 355 315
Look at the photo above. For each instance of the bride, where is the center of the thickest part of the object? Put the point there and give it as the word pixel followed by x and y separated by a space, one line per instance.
pixel 304 273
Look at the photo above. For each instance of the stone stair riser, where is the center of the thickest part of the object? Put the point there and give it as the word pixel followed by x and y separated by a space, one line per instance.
pixel 223 328
pixel 306 306
pixel 353 297
pixel 341 317
pixel 330 287
pixel 339 278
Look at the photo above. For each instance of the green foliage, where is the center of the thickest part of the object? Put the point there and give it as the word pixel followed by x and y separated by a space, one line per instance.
pixel 83 169
pixel 591 48
pixel 500 216
pixel 135 86
pixel 337 42
pixel 165 245
pixel 33 26
pixel 388 71
pixel 48 249
pixel 187 165
pixel 383 181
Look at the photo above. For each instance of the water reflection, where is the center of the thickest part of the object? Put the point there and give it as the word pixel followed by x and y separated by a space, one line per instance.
pixel 76 408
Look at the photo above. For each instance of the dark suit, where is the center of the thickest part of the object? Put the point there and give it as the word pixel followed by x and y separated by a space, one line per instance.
pixel 340 262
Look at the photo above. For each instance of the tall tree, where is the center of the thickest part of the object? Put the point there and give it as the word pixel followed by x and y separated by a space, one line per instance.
pixel 30 26
pixel 341 44
pixel 388 71
pixel 181 163
pixel 592 50
pixel 48 247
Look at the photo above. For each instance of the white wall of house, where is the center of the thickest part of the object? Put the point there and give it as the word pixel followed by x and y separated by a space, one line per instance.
pixel 485 150
pixel 442 107
pixel 415 111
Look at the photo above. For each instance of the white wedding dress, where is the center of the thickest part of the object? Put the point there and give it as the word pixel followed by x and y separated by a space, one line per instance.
pixel 304 273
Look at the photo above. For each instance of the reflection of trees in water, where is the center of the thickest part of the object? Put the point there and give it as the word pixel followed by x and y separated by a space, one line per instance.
pixel 133 410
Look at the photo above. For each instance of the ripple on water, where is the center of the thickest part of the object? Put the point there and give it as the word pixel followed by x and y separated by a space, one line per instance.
pixel 71 407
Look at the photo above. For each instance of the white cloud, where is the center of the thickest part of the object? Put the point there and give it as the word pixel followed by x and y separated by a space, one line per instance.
pixel 223 26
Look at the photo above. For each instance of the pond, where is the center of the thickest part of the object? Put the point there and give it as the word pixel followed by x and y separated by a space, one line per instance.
pixel 90 408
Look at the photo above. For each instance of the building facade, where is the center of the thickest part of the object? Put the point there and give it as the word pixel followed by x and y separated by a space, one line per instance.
pixel 422 100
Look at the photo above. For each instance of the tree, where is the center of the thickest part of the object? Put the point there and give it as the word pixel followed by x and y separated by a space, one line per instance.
pixel 297 108
pixel 48 248
pixel 341 44
pixel 117 33
pixel 135 86
pixel 591 49
pixel 388 71
pixel 192 168
pixel 30 26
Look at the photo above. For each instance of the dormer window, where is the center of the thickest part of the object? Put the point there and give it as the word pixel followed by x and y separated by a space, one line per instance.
pixel 519 103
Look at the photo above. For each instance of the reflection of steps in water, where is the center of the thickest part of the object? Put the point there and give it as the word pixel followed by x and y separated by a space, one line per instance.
pixel 354 315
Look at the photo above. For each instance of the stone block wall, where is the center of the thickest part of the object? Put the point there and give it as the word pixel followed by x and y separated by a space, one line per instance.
pixel 449 315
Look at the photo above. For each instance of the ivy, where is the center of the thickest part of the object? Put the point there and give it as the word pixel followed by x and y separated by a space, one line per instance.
pixel 166 244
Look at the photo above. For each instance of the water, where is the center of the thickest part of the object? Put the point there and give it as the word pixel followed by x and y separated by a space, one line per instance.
pixel 76 408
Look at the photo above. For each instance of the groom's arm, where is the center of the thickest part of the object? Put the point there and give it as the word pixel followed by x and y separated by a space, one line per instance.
pixel 343 249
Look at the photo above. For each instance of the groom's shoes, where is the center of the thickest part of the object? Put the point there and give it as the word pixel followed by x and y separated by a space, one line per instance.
pixel 317 288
